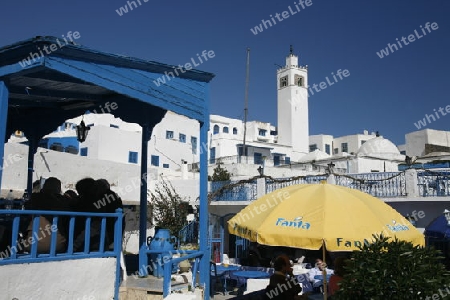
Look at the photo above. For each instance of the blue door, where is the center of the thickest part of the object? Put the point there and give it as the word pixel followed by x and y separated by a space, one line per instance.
pixel 276 160
pixel 212 155
pixel 257 157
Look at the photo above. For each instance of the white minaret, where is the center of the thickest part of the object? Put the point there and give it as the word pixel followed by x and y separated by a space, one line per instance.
pixel 292 97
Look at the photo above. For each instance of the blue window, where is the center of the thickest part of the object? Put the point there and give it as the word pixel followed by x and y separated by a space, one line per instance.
pixel 212 155
pixel 165 166
pixel 194 144
pixel 257 157
pixel 234 130
pixel 276 160
pixel 312 147
pixel 273 132
pixel 344 147
pixel 84 151
pixel 262 132
pixel 169 134
pixel 241 152
pixel 287 160
pixel 225 129
pixel 155 160
pixel 113 126
pixel 327 149
pixel 132 157
pixel 216 129
pixel 182 138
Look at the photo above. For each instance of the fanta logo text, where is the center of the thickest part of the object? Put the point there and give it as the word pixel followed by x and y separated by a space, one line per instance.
pixel 397 227
pixel 349 243
pixel 243 230
pixel 296 223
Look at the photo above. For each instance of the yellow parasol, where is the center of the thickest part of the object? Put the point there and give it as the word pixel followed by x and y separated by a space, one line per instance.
pixel 310 216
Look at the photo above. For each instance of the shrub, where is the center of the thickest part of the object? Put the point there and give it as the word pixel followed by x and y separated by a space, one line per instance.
pixel 394 270
pixel 220 174
pixel 169 208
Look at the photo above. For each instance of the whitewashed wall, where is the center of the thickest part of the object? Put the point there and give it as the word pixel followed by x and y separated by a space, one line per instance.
pixel 415 141
pixel 92 278
pixel 321 140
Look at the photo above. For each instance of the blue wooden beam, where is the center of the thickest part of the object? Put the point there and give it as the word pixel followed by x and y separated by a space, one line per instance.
pixel 203 215
pixel 3 116
pixel 182 96
pixel 18 70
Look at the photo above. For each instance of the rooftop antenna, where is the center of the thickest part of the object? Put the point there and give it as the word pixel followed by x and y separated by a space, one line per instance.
pixel 244 152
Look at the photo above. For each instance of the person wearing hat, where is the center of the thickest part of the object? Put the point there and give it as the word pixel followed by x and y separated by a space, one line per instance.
pixel 283 285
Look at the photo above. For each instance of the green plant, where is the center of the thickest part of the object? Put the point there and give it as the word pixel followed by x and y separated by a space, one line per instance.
pixel 394 270
pixel 169 210
pixel 220 174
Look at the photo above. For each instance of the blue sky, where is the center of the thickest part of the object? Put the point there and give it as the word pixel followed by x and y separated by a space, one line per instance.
pixel 388 94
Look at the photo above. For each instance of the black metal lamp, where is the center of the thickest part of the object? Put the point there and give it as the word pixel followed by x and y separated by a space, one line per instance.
pixel 408 160
pixel 261 171
pixel 82 132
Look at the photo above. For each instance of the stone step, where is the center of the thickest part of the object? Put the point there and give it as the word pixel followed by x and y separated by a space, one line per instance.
pixel 135 288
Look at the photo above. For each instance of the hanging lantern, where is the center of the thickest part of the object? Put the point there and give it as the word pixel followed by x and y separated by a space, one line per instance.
pixel 82 132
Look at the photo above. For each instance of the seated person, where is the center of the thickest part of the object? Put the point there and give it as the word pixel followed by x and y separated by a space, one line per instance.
pixel 49 198
pixel 315 275
pixel 338 275
pixel 283 284
pixel 97 197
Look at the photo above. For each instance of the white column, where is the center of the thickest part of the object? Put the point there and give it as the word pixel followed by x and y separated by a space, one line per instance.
pixel 260 187
pixel 412 184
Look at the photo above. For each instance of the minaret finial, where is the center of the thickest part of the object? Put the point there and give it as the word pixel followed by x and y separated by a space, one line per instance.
pixel 291 49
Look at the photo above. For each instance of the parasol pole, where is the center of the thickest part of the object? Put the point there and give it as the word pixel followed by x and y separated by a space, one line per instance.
pixel 324 272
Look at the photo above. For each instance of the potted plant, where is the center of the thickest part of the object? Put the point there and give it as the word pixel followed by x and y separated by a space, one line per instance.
pixel 185 265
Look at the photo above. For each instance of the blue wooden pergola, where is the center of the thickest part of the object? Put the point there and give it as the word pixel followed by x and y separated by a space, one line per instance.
pixel 38 95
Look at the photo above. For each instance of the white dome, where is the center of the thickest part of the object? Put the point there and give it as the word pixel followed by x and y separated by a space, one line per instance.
pixel 378 146
pixel 314 155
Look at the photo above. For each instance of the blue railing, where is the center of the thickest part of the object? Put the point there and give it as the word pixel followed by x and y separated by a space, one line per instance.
pixel 385 184
pixel 237 192
pixel 273 185
pixel 15 252
pixel 434 183
pixel 167 263
pixel 188 234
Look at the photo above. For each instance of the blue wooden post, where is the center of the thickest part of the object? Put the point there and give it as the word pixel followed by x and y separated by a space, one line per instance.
pixel 143 201
pixel 204 262
pixel 222 237
pixel 32 147
pixel 3 117
pixel 117 247
pixel 167 278
pixel 143 261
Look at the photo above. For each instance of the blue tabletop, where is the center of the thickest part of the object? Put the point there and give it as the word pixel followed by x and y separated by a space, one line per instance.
pixel 252 274
pixel 221 269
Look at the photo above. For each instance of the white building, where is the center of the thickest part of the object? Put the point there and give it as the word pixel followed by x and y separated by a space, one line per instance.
pixel 322 142
pixel 282 150
pixel 426 141
pixel 292 106
pixel 351 143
